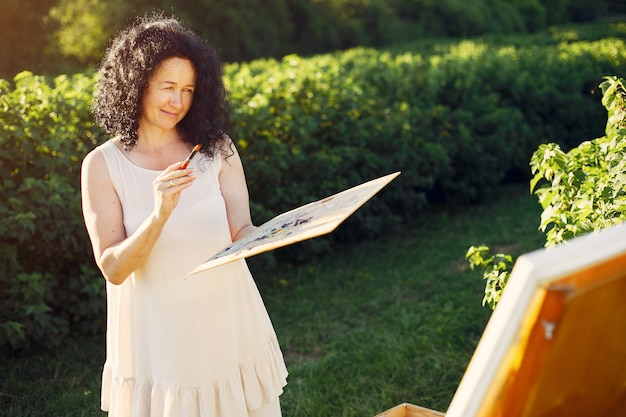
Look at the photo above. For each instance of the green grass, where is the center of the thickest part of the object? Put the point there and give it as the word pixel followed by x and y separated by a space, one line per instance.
pixel 60 382
pixel 379 323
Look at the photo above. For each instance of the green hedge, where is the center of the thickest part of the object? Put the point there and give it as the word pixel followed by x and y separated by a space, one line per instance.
pixel 457 120
pixel 456 123
pixel 47 279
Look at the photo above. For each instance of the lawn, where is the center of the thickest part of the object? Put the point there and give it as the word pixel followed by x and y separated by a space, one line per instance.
pixel 391 320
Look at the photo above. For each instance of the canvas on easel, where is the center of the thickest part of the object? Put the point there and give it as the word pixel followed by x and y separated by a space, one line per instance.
pixel 556 343
pixel 305 222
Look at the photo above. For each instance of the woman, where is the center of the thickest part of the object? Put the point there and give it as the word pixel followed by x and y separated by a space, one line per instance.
pixel 176 346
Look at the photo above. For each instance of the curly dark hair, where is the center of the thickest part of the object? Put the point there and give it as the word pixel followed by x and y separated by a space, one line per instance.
pixel 134 55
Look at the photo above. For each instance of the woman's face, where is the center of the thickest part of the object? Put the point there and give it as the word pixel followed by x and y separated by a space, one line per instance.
pixel 169 94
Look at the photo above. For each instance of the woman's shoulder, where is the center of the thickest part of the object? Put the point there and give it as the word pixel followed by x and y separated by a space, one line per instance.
pixel 111 145
pixel 97 156
pixel 225 148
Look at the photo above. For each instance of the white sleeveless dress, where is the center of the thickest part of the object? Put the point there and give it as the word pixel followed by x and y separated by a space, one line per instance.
pixel 186 346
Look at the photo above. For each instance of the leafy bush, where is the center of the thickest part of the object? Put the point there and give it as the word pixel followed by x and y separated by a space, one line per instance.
pixel 580 191
pixel 456 122
pixel 496 270
pixel 47 278
pixel 585 189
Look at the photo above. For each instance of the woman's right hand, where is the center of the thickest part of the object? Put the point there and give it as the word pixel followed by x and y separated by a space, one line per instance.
pixel 167 188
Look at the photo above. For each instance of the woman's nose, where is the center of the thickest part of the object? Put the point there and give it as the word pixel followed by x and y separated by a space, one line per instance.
pixel 175 98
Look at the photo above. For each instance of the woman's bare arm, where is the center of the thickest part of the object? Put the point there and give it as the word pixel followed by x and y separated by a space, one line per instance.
pixel 235 191
pixel 116 254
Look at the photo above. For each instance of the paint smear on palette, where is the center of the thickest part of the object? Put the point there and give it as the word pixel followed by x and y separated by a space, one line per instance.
pixel 305 222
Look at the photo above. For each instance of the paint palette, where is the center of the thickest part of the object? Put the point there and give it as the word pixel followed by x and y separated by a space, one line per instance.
pixel 305 222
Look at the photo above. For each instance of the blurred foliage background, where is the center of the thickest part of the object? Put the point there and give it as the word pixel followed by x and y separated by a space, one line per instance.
pixel 59 36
